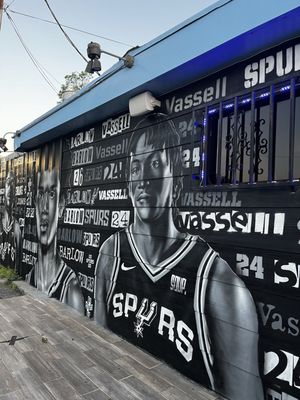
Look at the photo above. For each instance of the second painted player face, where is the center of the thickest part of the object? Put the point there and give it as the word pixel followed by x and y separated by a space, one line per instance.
pixel 47 206
pixel 9 192
pixel 151 180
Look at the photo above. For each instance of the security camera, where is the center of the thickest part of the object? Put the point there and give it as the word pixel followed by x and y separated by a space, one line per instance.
pixel 94 53
pixel 93 50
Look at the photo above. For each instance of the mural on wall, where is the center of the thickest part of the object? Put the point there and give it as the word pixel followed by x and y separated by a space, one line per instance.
pixel 135 222
pixel 163 289
pixel 156 239
pixel 49 272
pixel 12 201
pixel 10 232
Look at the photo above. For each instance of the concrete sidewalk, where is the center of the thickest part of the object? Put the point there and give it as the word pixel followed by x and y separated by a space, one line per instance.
pixel 48 351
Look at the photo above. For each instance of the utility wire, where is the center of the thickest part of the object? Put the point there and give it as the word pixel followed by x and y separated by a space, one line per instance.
pixel 38 66
pixel 66 35
pixel 8 5
pixel 70 27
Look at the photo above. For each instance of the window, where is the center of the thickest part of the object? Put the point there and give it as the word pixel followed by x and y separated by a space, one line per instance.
pixel 249 139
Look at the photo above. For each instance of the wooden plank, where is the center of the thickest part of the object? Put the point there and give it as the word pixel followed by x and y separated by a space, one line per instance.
pixel 62 390
pixel 105 334
pixel 11 358
pixel 18 395
pixel 70 351
pixel 141 389
pixel 196 391
pixel 149 376
pixel 115 390
pixel 176 394
pixel 139 355
pixel 37 362
pixel 74 376
pixel 109 350
pixel 105 364
pixel 96 395
pixel 7 381
pixel 31 385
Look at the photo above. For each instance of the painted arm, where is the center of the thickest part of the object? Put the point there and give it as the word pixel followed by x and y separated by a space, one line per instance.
pixel 233 332
pixel 75 297
pixel 18 241
pixel 102 280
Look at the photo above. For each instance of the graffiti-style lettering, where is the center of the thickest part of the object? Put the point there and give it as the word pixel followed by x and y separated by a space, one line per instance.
pixel 74 216
pixel 69 235
pixel 234 221
pixel 82 138
pixel 79 196
pixel 284 366
pixel 30 246
pixel 82 156
pixel 120 219
pixel 70 253
pixel 270 317
pixel 114 194
pixel 281 63
pixel 287 274
pixel 96 217
pixel 206 95
pixel 103 152
pixel 30 212
pixel 29 259
pixel 112 127
pixel 245 266
pixel 91 239
pixel 274 395
pixel 210 199
pixel 86 281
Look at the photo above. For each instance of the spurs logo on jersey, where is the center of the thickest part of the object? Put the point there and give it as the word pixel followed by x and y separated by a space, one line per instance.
pixel 145 315
pixel 161 307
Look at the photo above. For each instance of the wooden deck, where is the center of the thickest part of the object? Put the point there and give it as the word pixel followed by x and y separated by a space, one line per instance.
pixel 58 354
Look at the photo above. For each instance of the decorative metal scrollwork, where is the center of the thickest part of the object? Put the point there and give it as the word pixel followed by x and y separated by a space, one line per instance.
pixel 229 148
pixel 242 144
pixel 260 147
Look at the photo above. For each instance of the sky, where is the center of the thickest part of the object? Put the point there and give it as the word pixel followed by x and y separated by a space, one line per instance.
pixel 24 93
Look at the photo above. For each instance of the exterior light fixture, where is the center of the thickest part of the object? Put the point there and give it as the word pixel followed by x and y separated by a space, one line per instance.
pixel 3 141
pixel 94 52
pixel 143 104
pixel 3 145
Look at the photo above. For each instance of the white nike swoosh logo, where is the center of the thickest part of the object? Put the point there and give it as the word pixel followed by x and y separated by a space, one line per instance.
pixel 126 268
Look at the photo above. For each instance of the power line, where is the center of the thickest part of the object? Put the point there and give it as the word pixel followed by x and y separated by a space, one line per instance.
pixel 7 6
pixel 66 35
pixel 74 29
pixel 38 66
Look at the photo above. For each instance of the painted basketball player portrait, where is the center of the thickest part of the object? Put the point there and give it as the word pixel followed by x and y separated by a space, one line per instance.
pixel 169 292
pixel 50 274
pixel 10 232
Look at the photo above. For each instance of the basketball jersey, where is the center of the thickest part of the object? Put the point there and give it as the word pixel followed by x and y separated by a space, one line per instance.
pixel 161 308
pixel 60 285
pixel 7 245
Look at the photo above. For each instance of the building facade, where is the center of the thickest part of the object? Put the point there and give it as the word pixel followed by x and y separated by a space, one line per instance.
pixel 177 228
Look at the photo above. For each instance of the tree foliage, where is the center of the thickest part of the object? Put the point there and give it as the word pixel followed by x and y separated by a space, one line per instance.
pixel 74 81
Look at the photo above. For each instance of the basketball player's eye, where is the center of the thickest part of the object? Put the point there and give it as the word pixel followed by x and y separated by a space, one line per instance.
pixel 155 164
pixel 134 171
pixel 52 194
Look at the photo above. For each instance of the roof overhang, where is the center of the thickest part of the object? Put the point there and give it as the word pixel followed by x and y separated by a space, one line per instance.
pixel 219 36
